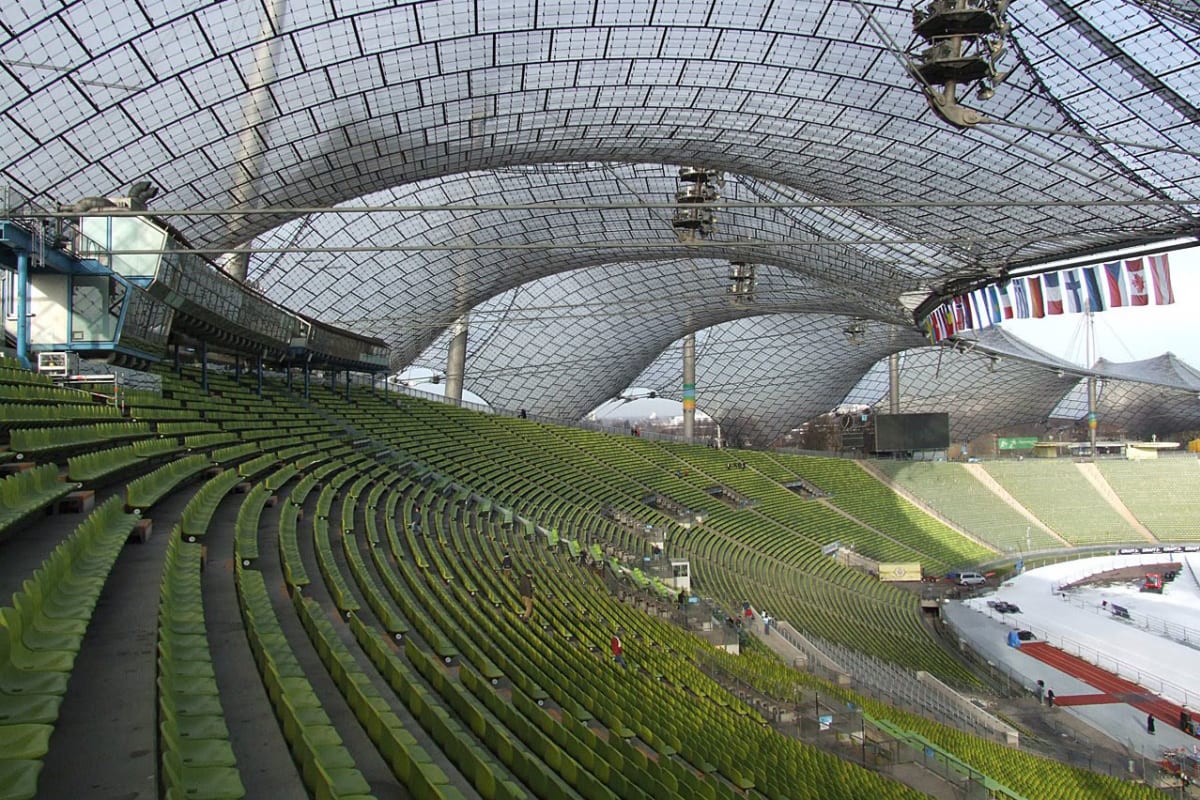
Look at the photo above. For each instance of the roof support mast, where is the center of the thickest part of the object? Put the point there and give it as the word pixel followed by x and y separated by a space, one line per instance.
pixel 689 387
pixel 1092 422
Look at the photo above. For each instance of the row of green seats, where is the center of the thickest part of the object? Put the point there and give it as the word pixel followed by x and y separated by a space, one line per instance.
pixel 392 622
pixel 245 528
pixel 201 441
pixel 29 491
pixel 198 512
pixel 408 760
pixel 14 414
pixel 294 573
pixel 233 453
pixel 186 428
pixel 40 636
pixel 326 766
pixel 339 589
pixel 44 440
pixel 196 756
pixel 33 393
pixel 145 491
pixel 11 371
pixel 160 414
pixel 97 465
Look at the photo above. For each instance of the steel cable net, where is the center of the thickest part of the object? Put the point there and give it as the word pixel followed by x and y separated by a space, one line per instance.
pixel 407 297
pixel 241 104
pixel 752 378
pixel 983 394
pixel 1153 396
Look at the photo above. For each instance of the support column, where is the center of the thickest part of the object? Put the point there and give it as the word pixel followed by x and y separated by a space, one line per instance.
pixel 894 383
pixel 289 378
pixel 1092 421
pixel 237 370
pixel 307 378
pixel 689 387
pixel 178 364
pixel 204 366
pixel 23 309
pixel 456 361
pixel 259 375
pixel 347 386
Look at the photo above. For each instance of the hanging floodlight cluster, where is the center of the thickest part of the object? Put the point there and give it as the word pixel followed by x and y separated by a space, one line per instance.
pixel 856 331
pixel 961 45
pixel 699 188
pixel 741 277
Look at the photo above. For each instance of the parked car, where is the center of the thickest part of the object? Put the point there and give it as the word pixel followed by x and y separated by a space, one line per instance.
pixel 971 579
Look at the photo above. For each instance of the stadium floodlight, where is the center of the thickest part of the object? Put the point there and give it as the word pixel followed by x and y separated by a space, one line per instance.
pixel 695 218
pixel 961 43
pixel 856 332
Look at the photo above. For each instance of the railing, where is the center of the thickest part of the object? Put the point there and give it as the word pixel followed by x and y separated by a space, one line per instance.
pixel 1102 659
pixel 1151 624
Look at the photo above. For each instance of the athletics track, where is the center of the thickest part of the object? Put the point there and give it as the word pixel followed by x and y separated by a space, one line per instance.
pixel 1113 689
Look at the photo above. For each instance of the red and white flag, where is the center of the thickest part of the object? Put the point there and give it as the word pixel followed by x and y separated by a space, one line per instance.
pixel 1138 296
pixel 1160 272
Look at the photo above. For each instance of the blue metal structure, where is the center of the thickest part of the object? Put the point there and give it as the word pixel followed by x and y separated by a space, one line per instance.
pixel 124 286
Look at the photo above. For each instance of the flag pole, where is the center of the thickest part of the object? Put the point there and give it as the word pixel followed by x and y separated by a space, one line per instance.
pixel 1091 383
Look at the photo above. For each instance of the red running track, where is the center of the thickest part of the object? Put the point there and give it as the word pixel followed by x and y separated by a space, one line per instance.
pixel 1137 696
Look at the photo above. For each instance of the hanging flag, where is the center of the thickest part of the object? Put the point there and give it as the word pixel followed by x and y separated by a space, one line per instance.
pixel 1022 298
pixel 937 325
pixel 979 304
pixel 948 320
pixel 1138 296
pixel 960 314
pixel 1006 305
pixel 1091 277
pixel 1054 300
pixel 1035 297
pixel 1117 294
pixel 1160 271
pixel 994 305
pixel 1073 291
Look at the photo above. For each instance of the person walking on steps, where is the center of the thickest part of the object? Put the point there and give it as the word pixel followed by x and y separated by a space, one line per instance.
pixel 526 590
pixel 1150 724
pixel 618 651
pixel 1050 698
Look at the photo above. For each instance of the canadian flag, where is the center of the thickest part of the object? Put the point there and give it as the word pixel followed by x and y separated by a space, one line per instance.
pixel 1138 296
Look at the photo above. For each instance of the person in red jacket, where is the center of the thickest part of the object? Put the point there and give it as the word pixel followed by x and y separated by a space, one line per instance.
pixel 618 651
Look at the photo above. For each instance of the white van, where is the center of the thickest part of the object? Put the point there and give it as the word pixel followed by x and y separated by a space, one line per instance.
pixel 971 579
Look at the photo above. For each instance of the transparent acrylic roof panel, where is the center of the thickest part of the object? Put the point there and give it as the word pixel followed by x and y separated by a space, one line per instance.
pixel 762 376
pixel 1144 410
pixel 561 346
pixel 407 296
pixel 980 393
pixel 313 103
